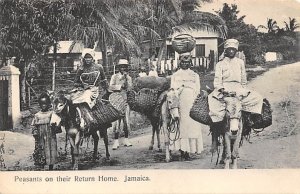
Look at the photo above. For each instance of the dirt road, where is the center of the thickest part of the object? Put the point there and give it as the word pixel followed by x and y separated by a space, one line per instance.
pixel 276 147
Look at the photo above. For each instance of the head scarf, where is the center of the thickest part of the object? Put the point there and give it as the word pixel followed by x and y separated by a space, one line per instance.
pixel 88 51
pixel 231 43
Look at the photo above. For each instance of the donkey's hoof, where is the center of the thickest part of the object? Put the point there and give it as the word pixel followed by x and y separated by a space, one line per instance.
pixel 150 147
pixel 159 150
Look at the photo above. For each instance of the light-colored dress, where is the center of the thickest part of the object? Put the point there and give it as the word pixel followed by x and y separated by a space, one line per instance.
pixel 190 131
pixel 230 74
pixel 46 145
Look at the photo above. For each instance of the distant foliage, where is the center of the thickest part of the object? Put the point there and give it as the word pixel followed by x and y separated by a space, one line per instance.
pixel 254 43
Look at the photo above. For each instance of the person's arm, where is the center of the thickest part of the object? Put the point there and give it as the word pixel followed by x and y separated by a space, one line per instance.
pixel 218 80
pixel 102 78
pixel 243 74
pixel 77 81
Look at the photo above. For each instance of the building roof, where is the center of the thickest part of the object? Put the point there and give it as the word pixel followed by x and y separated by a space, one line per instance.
pixel 68 47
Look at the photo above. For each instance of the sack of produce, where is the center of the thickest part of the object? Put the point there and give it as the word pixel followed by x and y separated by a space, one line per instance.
pixel 156 83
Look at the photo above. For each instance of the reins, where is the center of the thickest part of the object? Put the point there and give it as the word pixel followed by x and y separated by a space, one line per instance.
pixel 173 127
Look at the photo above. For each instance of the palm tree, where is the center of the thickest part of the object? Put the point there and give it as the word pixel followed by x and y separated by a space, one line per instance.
pixel 292 25
pixel 272 26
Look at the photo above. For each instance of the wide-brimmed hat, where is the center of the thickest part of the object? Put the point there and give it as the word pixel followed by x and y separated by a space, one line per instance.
pixel 123 63
pixel 231 43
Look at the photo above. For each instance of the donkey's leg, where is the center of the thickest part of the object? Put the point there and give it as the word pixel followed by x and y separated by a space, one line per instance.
pixel 76 151
pixel 164 127
pixel 235 148
pixel 227 150
pixel 96 140
pixel 153 133
pixel 105 139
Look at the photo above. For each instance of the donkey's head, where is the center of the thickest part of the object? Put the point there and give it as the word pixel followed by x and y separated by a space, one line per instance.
pixel 59 101
pixel 234 111
pixel 173 103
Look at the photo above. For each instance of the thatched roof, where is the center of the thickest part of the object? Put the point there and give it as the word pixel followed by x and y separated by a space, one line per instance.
pixel 198 20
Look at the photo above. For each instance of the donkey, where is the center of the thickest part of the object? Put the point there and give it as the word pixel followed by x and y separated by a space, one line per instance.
pixel 167 120
pixel 232 129
pixel 72 120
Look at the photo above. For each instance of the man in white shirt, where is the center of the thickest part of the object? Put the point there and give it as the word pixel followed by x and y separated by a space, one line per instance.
pixel 121 82
pixel 230 77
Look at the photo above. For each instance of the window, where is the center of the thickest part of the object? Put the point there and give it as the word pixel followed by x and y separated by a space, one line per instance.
pixel 200 50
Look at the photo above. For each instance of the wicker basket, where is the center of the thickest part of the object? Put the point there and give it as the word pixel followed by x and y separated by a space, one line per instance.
pixel 183 43
pixel 143 101
pixel 200 110
pixel 118 101
pixel 265 119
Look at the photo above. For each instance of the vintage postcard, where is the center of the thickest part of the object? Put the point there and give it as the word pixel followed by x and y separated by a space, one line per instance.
pixel 145 96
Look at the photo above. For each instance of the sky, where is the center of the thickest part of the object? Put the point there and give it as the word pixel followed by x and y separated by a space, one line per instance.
pixel 257 11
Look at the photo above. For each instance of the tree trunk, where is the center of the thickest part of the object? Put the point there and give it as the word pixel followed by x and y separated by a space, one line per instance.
pixel 160 54
pixel 104 53
pixel 54 64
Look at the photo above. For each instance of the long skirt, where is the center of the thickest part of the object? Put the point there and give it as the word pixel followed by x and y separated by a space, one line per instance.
pixel 190 139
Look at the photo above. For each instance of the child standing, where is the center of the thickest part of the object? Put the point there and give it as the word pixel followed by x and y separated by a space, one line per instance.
pixel 45 153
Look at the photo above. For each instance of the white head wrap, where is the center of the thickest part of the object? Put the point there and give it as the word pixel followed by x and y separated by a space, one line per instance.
pixel 233 43
pixel 88 51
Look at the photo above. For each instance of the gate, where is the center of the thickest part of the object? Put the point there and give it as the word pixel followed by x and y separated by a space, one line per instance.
pixel 5 121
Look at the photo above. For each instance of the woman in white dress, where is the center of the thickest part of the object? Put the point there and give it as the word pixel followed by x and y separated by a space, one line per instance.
pixel 187 82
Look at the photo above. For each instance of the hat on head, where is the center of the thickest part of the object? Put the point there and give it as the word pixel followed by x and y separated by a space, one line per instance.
pixel 233 43
pixel 123 63
pixel 87 52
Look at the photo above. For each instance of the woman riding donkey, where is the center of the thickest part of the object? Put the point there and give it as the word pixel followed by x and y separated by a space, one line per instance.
pixel 120 83
pixel 187 82
pixel 230 93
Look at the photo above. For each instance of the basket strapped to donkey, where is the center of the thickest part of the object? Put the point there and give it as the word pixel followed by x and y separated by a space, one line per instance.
pixel 148 94
pixel 200 113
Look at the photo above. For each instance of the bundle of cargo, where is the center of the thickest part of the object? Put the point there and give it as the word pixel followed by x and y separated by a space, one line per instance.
pixel 151 82
pixel 183 43
pixel 264 119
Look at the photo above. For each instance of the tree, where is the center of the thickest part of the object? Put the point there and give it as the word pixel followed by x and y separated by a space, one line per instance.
pixel 272 26
pixel 249 38
pixel 291 25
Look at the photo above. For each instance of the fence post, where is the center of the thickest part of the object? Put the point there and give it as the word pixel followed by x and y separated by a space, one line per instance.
pixel 10 74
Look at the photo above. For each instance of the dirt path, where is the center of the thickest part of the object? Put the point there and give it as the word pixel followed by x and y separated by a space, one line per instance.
pixel 272 148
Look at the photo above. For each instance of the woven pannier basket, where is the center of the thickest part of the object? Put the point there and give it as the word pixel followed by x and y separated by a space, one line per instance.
pixel 265 119
pixel 183 43
pixel 118 101
pixel 143 101
pixel 200 110
pixel 104 112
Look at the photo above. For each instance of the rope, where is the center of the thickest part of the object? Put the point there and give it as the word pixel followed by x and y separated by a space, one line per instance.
pixel 175 129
